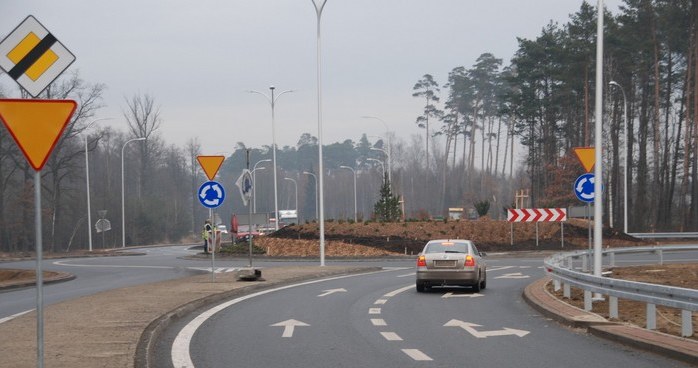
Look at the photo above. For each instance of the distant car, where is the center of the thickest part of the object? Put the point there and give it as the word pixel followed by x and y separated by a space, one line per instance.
pixel 451 262
pixel 223 229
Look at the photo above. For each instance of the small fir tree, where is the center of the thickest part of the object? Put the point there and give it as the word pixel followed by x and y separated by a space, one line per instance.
pixel 387 209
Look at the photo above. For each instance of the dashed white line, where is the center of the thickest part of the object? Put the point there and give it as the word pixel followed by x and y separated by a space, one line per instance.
pixel 416 354
pixel 378 322
pixel 381 301
pixel 374 311
pixel 391 336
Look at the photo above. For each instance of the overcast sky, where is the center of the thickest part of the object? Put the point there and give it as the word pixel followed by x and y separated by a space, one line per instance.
pixel 197 58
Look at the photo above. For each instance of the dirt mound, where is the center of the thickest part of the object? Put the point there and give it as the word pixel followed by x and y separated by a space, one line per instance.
pixel 489 235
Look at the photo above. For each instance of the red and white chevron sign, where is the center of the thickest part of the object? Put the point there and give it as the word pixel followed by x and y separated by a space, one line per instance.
pixel 537 215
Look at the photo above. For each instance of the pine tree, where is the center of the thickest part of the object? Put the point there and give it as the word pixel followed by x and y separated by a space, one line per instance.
pixel 387 209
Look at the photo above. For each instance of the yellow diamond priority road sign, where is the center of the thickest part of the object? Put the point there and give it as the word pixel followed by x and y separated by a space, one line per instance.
pixel 33 57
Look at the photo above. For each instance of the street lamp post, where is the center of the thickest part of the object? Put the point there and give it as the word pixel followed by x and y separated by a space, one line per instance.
pixel 87 186
pixel 295 184
pixel 625 157
pixel 272 101
pixel 318 11
pixel 123 206
pixel 382 166
pixel 254 183
pixel 387 155
pixel 353 172
pixel 316 202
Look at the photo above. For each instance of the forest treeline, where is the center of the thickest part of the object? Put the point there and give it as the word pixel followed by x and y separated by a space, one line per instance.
pixel 490 129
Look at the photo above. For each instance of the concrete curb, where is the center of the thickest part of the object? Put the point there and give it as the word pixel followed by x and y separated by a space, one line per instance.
pixel 538 297
pixel 143 356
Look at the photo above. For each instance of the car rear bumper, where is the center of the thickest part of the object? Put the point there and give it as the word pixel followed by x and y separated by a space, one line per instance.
pixel 447 277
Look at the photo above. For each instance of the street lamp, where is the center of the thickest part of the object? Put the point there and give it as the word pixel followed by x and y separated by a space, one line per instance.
pixel 353 172
pixel 123 207
pixel 316 201
pixel 387 154
pixel 87 186
pixel 254 183
pixel 318 11
pixel 272 101
pixel 295 184
pixel 382 166
pixel 625 158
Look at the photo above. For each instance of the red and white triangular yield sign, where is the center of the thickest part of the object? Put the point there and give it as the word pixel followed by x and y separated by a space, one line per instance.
pixel 36 125
pixel 537 215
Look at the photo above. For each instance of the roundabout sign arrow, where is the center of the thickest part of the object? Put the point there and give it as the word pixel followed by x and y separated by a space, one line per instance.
pixel 211 194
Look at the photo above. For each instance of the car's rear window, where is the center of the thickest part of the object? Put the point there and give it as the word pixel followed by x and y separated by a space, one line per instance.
pixel 446 247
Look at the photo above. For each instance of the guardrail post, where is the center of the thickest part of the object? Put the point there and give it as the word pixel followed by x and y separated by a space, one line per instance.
pixel 612 260
pixel 566 291
pixel 587 300
pixel 686 323
pixel 612 307
pixel 651 316
pixel 585 263
pixel 556 285
pixel 661 257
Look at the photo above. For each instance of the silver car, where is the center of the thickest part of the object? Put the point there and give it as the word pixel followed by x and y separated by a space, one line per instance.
pixel 451 262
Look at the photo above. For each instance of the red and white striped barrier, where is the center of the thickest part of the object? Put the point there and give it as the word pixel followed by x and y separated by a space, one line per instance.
pixel 537 215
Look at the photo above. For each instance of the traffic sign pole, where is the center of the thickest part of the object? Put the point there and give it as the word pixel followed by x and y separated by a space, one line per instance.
pixel 39 272
pixel 213 250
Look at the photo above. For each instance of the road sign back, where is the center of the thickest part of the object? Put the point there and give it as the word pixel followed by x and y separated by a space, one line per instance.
pixel 586 156
pixel 33 57
pixel 36 125
pixel 210 164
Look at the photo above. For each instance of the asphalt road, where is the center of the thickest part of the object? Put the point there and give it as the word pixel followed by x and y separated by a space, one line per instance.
pixel 379 320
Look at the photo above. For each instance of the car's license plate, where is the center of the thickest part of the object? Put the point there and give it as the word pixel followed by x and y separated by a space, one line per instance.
pixel 444 263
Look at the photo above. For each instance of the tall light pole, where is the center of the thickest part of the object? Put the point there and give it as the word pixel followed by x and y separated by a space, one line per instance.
pixel 598 132
pixel 272 101
pixel 123 206
pixel 318 11
pixel 382 166
pixel 316 201
pixel 295 184
pixel 353 172
pixel 254 183
pixel 87 186
pixel 387 155
pixel 625 157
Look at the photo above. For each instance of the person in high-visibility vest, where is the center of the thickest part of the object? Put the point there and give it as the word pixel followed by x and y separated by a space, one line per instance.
pixel 206 235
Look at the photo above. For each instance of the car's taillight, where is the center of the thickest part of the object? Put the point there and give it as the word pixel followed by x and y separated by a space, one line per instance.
pixel 469 261
pixel 421 261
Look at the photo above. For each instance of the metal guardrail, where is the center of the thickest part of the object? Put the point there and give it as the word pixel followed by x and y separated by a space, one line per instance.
pixel 674 235
pixel 561 268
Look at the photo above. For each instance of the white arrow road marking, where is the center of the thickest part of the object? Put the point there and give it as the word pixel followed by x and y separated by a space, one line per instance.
pixel 332 291
pixel 408 274
pixel 517 275
pixel 490 269
pixel 452 295
pixel 289 326
pixel 470 328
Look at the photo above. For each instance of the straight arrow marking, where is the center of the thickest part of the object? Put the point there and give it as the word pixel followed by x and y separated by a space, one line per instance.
pixel 332 291
pixel 470 328
pixel 289 326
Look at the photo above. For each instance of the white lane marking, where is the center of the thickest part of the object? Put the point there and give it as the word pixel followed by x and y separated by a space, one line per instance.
pixel 374 311
pixel 490 269
pixel 332 291
pixel 64 263
pixel 381 301
pixel 180 347
pixel 470 328
pixel 416 354
pixel 217 269
pixel 378 322
pixel 398 291
pixel 408 274
pixel 289 326
pixel 516 275
pixel 452 295
pixel 9 318
pixel 391 336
